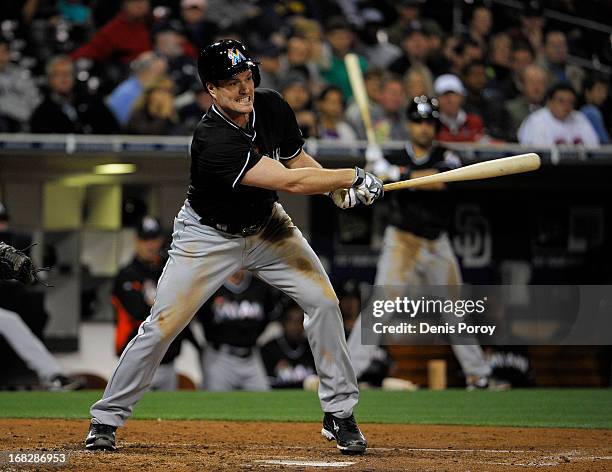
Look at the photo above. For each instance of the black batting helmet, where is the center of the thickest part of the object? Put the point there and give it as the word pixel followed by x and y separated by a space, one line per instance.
pixel 224 59
pixel 423 108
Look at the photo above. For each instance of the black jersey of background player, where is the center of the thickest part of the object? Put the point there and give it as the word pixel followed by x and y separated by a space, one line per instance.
pixel 222 152
pixel 133 294
pixel 425 213
pixel 238 314
pixel 287 364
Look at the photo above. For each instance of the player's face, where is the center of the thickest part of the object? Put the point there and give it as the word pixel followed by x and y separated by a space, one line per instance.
pixel 235 96
pixel 422 133
pixel 148 249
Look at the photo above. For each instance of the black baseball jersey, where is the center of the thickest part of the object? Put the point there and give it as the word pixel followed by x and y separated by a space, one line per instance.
pixel 422 212
pixel 133 294
pixel 222 152
pixel 238 314
pixel 287 363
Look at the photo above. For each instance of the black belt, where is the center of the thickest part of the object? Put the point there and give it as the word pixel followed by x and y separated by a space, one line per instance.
pixel 242 352
pixel 235 228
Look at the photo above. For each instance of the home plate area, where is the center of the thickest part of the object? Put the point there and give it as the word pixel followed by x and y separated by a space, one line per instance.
pixel 222 445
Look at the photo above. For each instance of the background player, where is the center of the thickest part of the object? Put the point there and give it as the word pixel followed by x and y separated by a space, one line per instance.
pixel 288 358
pixel 416 248
pixel 246 148
pixel 233 318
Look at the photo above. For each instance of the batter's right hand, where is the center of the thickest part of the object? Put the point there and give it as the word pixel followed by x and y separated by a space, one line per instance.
pixel 368 187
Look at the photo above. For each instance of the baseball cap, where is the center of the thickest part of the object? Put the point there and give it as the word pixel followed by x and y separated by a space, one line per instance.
pixel 448 83
pixel 148 228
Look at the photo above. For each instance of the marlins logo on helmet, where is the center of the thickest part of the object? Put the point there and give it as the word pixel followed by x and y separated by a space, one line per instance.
pixel 235 56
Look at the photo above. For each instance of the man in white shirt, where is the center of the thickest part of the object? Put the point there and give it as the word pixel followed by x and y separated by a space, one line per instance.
pixel 558 123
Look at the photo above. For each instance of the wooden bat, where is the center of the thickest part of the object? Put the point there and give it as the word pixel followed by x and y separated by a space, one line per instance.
pixel 482 170
pixel 351 61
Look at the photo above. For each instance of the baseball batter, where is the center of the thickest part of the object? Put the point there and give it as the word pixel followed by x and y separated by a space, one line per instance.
pixel 416 248
pixel 246 147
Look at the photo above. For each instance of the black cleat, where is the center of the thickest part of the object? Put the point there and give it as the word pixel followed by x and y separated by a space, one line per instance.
pixel 100 437
pixel 345 432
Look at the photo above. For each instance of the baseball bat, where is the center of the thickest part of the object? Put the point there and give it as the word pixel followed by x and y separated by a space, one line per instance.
pixel 482 170
pixel 351 61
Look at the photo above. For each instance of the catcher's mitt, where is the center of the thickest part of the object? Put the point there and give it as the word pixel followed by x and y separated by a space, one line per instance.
pixel 14 264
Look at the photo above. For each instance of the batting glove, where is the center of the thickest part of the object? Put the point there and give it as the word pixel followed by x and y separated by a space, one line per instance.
pixel 368 187
pixel 344 197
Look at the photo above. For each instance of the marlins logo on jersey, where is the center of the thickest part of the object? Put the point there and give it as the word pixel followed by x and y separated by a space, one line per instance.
pixel 225 309
pixel 235 56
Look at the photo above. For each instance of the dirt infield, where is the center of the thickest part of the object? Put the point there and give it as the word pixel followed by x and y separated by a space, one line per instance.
pixel 215 445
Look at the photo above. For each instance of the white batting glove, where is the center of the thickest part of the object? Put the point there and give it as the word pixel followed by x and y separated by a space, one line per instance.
pixel 344 197
pixel 368 187
pixel 378 165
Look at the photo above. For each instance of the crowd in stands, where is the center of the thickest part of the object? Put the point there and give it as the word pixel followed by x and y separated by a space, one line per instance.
pixel 129 66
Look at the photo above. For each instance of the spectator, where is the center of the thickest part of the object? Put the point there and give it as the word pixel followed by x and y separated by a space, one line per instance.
pixel 75 12
pixel 191 114
pixel 330 107
pixel 480 26
pixel 200 31
pixel 595 94
pixel 146 69
pixel 554 61
pixel 455 123
pixel 341 40
pixel 268 55
pixel 297 60
pixel 533 91
pixel 418 81
pixel 168 43
pixel 297 94
pixel 437 61
pixel 484 102
pixel 531 29
pixel 409 11
pixel 500 62
pixel 522 57
pixel 224 14
pixel 414 50
pixel 376 53
pixel 558 123
pixel 388 120
pixel 65 109
pixel 465 51
pixel 288 358
pixel 372 79
pixel 18 93
pixel 155 113
pixel 124 38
